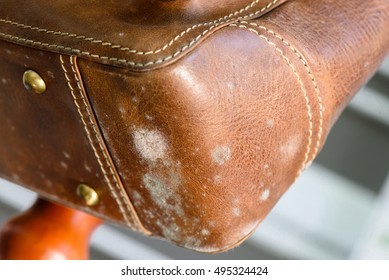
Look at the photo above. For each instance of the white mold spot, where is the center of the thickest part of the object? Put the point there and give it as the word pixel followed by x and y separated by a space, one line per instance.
pixel 265 195
pixel 148 117
pixel 137 199
pixel 163 192
pixel 231 86
pixel 205 232
pixel 217 179
pixel 48 183
pixel 137 196
pixel 270 123
pixel 192 242
pixel 51 74
pixel 291 147
pixel 220 155
pixel 88 168
pixel 122 110
pixel 150 144
pixel 171 231
pixel 4 81
pixel 267 171
pixel 236 212
pixel 149 214
pixel 15 177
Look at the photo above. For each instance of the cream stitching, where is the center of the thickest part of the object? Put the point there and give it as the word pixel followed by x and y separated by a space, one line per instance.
pixel 313 80
pixel 111 45
pixel 72 90
pixel 215 23
pixel 96 56
pixel 96 134
pixel 307 101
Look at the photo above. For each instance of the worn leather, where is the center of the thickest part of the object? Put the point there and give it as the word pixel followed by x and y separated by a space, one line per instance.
pixel 194 117
pixel 138 34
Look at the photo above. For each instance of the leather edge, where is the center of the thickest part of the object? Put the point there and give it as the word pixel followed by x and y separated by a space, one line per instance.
pixel 112 55
pixel 111 176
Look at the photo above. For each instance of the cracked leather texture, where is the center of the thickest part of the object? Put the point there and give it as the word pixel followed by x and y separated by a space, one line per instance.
pixel 199 148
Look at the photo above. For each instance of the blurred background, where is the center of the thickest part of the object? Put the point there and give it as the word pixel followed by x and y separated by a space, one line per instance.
pixel 338 209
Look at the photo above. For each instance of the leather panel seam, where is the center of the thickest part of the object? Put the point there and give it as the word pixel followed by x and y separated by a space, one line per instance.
pixel 169 57
pixel 312 78
pixel 91 142
pixel 302 87
pixel 215 23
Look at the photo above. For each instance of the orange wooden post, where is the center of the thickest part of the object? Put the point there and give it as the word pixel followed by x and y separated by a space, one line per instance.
pixel 47 231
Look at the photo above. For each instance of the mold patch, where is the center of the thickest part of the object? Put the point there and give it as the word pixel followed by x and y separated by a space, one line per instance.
pixel 192 242
pixel 270 123
pixel 87 167
pixel 291 147
pixel 217 179
pixel 150 144
pixel 163 188
pixel 64 165
pixel 265 195
pixel 172 231
pixel 15 177
pixel 236 212
pixel 220 155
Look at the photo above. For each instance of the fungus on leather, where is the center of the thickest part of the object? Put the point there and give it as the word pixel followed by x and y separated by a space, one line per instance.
pixel 204 147
pixel 238 118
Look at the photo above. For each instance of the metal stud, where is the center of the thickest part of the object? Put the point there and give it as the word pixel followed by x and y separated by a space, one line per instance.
pixel 33 82
pixel 88 194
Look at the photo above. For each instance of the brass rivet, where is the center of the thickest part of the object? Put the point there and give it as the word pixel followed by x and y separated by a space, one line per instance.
pixel 32 81
pixel 89 195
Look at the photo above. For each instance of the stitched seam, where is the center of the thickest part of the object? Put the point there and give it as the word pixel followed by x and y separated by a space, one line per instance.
pixel 115 46
pixel 313 80
pixel 306 97
pixel 96 56
pixel 72 90
pixel 215 23
pixel 96 134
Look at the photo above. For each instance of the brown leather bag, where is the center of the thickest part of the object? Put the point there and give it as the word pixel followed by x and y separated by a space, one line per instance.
pixel 185 120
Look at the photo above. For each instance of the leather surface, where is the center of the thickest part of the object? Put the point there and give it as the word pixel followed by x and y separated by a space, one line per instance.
pixel 202 145
pixel 43 143
pixel 137 34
